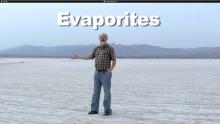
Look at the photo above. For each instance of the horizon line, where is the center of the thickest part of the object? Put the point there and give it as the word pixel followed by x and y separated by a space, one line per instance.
pixel 109 43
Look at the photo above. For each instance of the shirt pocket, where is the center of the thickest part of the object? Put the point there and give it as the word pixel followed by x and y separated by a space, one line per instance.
pixel 97 53
pixel 105 53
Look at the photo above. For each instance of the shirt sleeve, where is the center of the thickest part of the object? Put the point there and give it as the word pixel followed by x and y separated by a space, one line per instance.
pixel 92 55
pixel 113 55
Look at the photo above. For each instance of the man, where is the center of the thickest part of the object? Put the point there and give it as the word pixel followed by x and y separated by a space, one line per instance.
pixel 105 61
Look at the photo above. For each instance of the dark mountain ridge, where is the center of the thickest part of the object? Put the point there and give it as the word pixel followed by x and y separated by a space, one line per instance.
pixel 123 51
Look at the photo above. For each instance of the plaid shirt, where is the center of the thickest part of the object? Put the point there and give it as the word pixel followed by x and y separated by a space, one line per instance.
pixel 103 56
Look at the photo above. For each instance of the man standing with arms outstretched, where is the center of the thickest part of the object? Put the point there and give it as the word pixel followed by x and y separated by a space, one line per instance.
pixel 105 61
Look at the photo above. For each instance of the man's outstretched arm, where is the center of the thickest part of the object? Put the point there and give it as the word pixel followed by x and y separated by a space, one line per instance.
pixel 81 57
pixel 91 56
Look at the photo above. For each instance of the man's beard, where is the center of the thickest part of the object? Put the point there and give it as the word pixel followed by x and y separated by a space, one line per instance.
pixel 103 43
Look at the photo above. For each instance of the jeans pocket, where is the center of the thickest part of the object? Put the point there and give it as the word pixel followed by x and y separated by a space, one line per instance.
pixel 108 73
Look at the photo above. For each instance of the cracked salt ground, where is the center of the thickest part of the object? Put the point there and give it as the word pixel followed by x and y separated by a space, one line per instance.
pixel 58 91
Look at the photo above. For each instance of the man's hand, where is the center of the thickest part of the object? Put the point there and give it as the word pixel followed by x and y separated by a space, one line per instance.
pixel 109 70
pixel 75 57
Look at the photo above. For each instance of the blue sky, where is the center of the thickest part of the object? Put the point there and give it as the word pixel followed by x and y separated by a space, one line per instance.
pixel 183 25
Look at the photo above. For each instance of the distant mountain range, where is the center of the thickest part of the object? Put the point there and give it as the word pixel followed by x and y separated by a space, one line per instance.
pixel 123 51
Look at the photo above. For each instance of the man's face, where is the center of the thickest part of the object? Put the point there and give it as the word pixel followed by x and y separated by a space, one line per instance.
pixel 103 39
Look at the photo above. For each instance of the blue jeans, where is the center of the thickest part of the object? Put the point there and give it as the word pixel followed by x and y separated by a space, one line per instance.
pixel 102 78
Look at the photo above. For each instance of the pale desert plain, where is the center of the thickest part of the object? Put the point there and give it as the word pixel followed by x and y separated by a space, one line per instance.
pixel 144 91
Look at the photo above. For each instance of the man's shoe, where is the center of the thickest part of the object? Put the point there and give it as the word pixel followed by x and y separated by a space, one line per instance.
pixel 107 114
pixel 93 112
